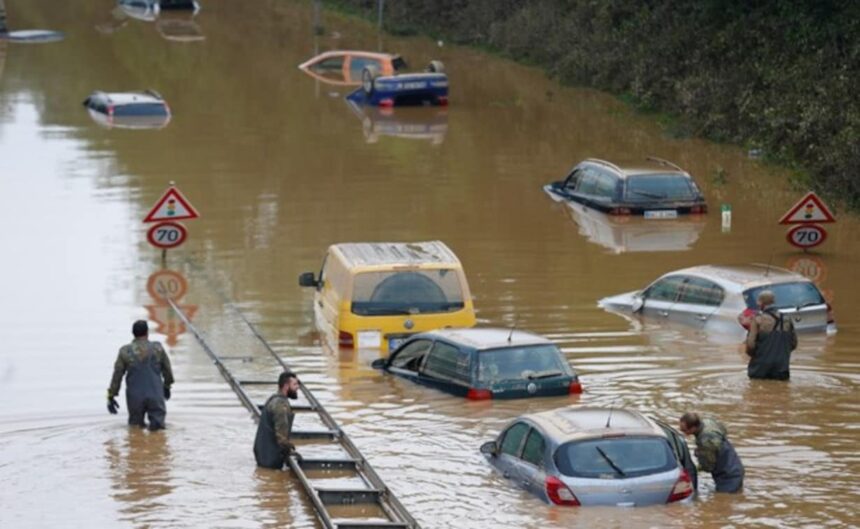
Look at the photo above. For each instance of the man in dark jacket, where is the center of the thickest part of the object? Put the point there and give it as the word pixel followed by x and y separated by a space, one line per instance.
pixel 714 451
pixel 272 445
pixel 770 341
pixel 144 365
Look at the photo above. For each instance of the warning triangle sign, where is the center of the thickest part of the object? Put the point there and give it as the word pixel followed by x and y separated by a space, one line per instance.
pixel 171 206
pixel 810 209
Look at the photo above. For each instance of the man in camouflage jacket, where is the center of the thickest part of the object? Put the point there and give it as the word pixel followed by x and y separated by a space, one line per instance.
pixel 714 451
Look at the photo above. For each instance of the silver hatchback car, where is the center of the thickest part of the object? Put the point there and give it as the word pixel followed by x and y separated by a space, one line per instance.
pixel 723 298
pixel 595 456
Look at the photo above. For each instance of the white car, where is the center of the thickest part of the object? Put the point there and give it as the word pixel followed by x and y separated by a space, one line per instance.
pixel 129 110
pixel 723 298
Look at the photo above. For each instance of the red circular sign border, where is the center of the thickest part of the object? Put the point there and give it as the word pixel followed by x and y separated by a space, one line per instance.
pixel 150 284
pixel 791 231
pixel 150 235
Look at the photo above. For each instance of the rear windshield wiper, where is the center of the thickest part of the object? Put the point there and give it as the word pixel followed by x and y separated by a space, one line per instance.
pixel 611 463
pixel 646 193
pixel 544 374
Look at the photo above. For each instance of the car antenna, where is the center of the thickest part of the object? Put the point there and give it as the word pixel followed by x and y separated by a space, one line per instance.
pixel 611 409
pixel 513 328
pixel 769 262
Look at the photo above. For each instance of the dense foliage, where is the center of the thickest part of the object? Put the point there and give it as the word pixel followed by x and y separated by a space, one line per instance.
pixel 780 76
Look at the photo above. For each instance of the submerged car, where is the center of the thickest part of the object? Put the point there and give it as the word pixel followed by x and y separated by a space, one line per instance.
pixel 429 88
pixel 723 298
pixel 132 110
pixel 484 364
pixel 594 456
pixel 655 189
pixel 345 67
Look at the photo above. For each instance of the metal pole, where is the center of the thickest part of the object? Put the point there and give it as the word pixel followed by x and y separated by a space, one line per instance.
pixel 3 28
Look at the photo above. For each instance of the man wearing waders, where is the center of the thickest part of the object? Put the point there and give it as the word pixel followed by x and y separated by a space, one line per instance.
pixel 145 364
pixel 714 451
pixel 770 341
pixel 272 445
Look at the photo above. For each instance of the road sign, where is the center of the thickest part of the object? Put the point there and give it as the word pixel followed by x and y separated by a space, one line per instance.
pixel 167 235
pixel 810 209
pixel 169 324
pixel 165 284
pixel 809 266
pixel 806 235
pixel 171 206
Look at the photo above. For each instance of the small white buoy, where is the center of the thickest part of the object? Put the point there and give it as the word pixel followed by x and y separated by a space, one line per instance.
pixel 439 43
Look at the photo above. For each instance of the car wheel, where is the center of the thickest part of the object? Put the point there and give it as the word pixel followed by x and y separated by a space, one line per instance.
pixel 368 79
pixel 436 67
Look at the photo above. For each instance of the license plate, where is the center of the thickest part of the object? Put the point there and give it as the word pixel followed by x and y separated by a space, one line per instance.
pixel 661 214
pixel 369 339
pixel 394 343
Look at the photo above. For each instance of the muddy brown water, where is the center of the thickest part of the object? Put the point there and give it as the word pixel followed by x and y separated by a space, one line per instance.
pixel 280 168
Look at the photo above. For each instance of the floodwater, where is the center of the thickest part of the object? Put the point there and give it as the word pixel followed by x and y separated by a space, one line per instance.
pixel 280 167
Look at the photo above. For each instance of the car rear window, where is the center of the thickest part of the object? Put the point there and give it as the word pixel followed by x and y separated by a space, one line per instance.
pixel 659 187
pixel 407 292
pixel 797 294
pixel 521 363
pixel 141 109
pixel 631 457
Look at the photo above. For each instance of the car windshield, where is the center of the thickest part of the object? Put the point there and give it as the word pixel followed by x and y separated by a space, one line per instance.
pixel 615 457
pixel 407 292
pixel 521 363
pixel 660 187
pixel 140 109
pixel 787 295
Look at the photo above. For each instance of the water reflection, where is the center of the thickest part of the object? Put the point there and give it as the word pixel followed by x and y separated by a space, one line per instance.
pixel 175 23
pixel 140 470
pixel 161 285
pixel 620 233
pixel 427 124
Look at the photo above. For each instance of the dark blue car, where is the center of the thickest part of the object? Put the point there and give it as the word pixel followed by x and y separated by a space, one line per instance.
pixel 428 88
pixel 484 364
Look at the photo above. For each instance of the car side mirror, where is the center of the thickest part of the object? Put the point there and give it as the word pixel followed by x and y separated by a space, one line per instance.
pixel 379 363
pixel 490 448
pixel 638 301
pixel 307 280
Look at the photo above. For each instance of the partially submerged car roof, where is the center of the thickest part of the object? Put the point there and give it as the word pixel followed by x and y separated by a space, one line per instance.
pixel 743 276
pixel 354 53
pixel 649 166
pixel 578 423
pixel 490 338
pixel 126 98
pixel 393 254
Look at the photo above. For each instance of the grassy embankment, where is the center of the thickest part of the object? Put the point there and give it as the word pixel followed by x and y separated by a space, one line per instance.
pixel 781 77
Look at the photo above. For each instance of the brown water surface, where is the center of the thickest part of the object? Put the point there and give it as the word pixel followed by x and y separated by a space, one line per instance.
pixel 281 167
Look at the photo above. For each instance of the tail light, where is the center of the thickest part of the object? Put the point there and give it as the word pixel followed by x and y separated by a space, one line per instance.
pixel 746 317
pixel 683 488
pixel 830 317
pixel 443 101
pixel 344 339
pixel 386 103
pixel 575 387
pixel 479 394
pixel 698 210
pixel 559 494
pixel 620 211
pixel 110 110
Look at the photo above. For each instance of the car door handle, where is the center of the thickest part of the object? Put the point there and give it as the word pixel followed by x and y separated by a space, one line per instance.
pixel 526 483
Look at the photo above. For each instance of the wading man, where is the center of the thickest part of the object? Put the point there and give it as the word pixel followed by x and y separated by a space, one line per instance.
pixel 272 445
pixel 770 341
pixel 148 378
pixel 714 451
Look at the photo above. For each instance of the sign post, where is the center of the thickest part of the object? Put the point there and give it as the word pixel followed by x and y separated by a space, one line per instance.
pixel 168 233
pixel 805 216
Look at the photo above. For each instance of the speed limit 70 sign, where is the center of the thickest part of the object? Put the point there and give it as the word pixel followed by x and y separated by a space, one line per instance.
pixel 167 235
pixel 806 235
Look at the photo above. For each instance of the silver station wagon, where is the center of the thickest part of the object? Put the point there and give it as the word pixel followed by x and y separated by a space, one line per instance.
pixel 595 456
pixel 723 298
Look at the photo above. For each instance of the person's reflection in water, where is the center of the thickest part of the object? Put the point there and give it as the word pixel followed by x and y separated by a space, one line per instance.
pixel 140 465
pixel 278 493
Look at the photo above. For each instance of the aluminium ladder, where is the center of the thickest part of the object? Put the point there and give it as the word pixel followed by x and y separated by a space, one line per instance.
pixel 373 495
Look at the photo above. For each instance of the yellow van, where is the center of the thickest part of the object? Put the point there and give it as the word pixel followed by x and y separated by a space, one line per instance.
pixel 374 295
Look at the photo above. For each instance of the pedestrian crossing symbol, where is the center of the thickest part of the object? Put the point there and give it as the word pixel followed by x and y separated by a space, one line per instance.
pixel 171 206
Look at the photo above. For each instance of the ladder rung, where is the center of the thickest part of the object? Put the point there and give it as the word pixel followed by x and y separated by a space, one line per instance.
pixel 313 434
pixel 242 358
pixel 367 524
pixel 294 407
pixel 327 464
pixel 258 382
pixel 347 496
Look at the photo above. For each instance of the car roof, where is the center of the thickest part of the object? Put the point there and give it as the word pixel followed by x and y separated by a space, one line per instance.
pixel 354 53
pixel 126 98
pixel 481 338
pixel 650 166
pixel 577 423
pixel 742 277
pixel 357 254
